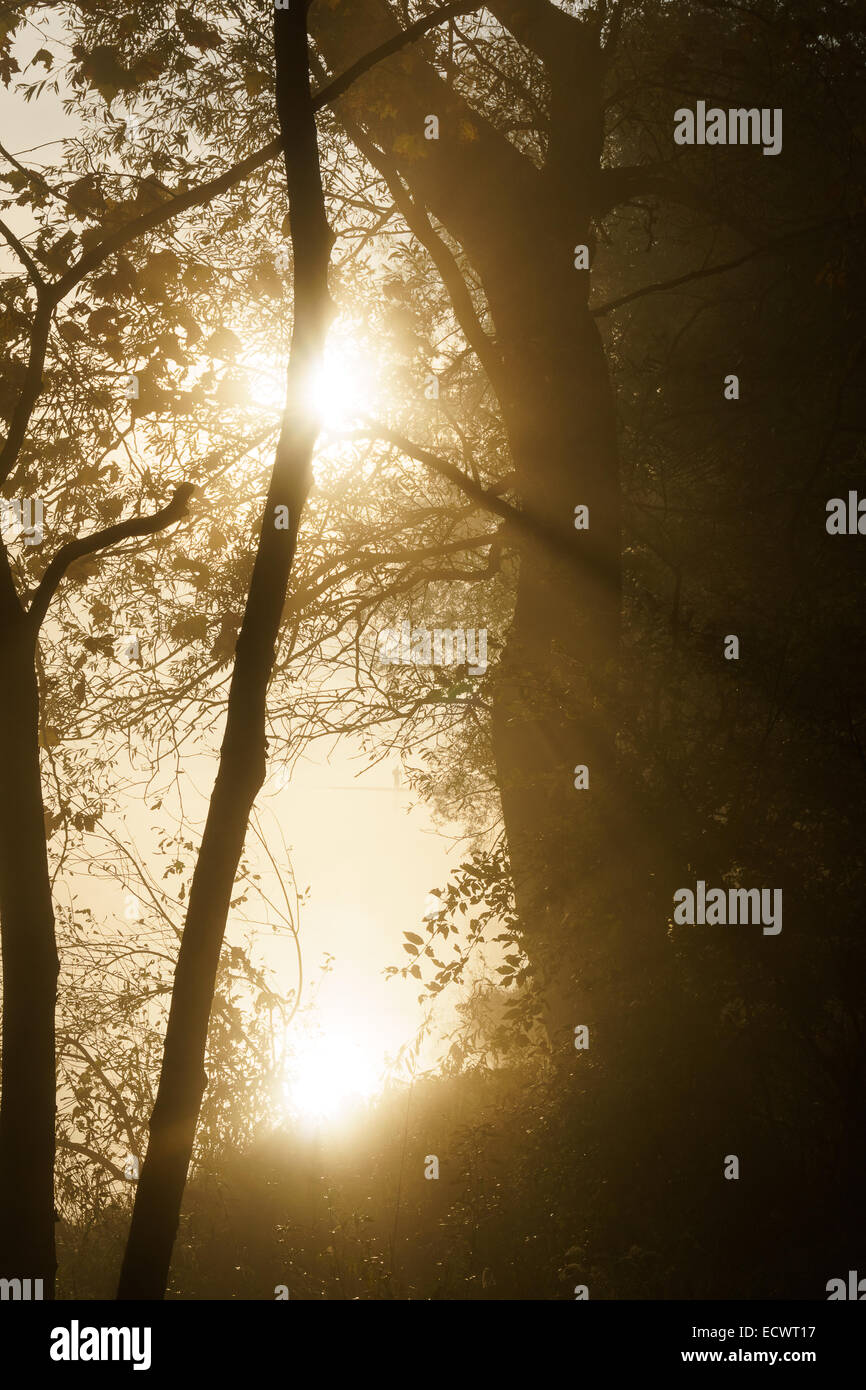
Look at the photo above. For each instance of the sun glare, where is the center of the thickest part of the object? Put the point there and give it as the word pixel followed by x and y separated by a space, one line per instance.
pixel 344 388
pixel 330 1075
pixel 340 391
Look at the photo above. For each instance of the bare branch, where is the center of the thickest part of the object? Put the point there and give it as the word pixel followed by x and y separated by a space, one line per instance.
pixel 523 521
pixel 30 387
pixel 76 1147
pixel 418 222
pixel 705 273
pixel 384 50
pixel 623 183
pixel 692 276
pixel 32 176
pixel 23 255
pixel 100 540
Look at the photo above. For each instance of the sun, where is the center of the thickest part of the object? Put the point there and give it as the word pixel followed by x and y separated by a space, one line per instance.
pixel 340 392
pixel 329 1075
pixel 343 388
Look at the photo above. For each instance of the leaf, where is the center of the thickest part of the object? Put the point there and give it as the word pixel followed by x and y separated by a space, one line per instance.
pixel 413 936
pixel 58 256
pixel 255 81
pixel 103 71
pixel 101 613
pixel 223 343
pixel 8 67
pixel 191 628
pixel 158 275
pixel 197 34
pixel 85 196
pixel 110 509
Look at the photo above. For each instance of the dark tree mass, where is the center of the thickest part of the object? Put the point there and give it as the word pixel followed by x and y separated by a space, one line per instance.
pixel 432 676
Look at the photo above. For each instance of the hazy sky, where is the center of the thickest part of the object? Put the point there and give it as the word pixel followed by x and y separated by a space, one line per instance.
pixel 368 855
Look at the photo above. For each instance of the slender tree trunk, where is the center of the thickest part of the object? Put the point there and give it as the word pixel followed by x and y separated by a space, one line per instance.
pixel 242 757
pixel 27 1103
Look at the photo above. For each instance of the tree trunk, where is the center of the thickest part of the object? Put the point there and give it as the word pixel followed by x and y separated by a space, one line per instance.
pixel 553 690
pixel 242 757
pixel 518 227
pixel 27 1103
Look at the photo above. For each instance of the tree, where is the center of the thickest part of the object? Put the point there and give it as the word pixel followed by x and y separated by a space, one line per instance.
pixel 53 345
pixel 26 914
pixel 243 755
pixel 554 134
